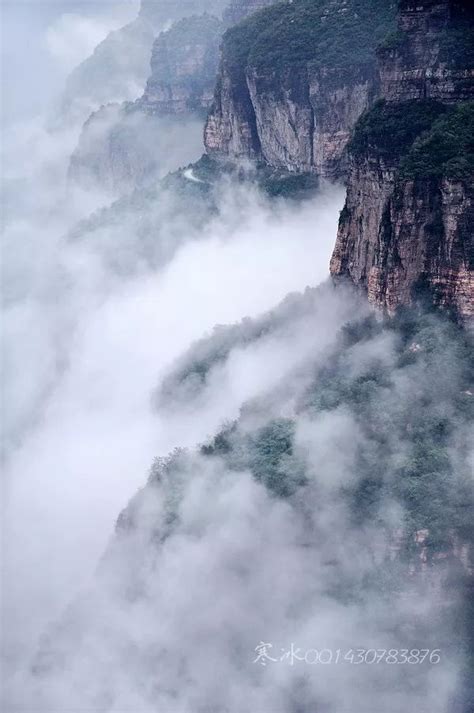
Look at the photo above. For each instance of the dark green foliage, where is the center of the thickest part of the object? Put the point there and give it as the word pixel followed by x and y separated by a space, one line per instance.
pixel 221 444
pixel 407 414
pixel 270 458
pixel 389 130
pixel 267 453
pixel 427 138
pixel 408 451
pixel 447 149
pixel 290 185
pixel 191 372
pixel 317 31
pixel 412 417
pixel 274 183
pixel 195 368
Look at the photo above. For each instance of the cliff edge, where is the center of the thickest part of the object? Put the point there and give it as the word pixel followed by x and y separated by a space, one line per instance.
pixel 406 228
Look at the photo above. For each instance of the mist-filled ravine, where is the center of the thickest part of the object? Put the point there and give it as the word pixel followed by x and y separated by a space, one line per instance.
pixel 230 482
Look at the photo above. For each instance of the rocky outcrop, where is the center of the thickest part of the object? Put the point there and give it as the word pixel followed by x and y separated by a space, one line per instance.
pixel 406 228
pixel 184 64
pixel 399 239
pixel 293 81
pixel 429 56
pixel 306 127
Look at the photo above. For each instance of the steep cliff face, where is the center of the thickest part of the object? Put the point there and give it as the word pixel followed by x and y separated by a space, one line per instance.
pixel 120 65
pixel 431 54
pixel 398 238
pixel 184 64
pixel 293 80
pixel 306 123
pixel 238 9
pixel 406 228
pixel 122 145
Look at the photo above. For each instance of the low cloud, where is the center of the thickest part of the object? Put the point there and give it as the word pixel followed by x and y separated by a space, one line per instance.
pixel 71 38
pixel 296 437
pixel 85 344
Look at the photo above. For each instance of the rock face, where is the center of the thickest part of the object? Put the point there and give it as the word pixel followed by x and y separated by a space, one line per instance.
pixel 184 64
pixel 429 55
pixel 399 237
pixel 120 65
pixel 306 127
pixel 122 145
pixel 296 113
pixel 406 228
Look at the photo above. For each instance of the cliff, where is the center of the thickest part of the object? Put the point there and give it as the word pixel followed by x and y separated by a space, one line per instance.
pixel 184 64
pixel 119 66
pixel 406 228
pixel 431 54
pixel 123 145
pixel 293 80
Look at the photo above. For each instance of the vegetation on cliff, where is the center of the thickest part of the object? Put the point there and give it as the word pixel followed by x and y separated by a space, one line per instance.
pixel 409 416
pixel 455 40
pixel 389 130
pixel 447 149
pixel 427 139
pixel 329 33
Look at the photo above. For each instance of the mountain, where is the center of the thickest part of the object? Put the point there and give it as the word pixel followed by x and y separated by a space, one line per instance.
pixel 332 512
pixel 120 143
pixel 294 79
pixel 341 475
pixel 184 64
pixel 119 66
pixel 380 96
pixel 406 228
pixel 162 13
